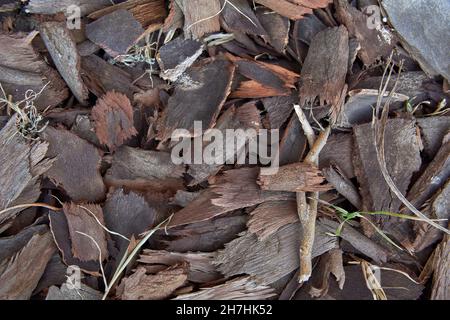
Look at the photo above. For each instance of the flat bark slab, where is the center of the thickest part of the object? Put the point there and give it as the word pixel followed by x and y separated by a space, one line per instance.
pixel 200 17
pixel 325 67
pixel 423 30
pixel 198 94
pixel 402 150
pixel 76 168
pixel 54 7
pixel 116 32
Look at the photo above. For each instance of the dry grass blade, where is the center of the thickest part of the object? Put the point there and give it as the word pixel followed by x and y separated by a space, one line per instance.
pixel 379 125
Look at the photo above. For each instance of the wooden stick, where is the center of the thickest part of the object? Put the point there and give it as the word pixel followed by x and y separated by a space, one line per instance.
pixel 307 211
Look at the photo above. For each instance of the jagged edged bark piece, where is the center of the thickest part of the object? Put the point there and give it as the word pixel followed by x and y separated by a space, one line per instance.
pixel 77 165
pixel 64 53
pixel 277 28
pixel 22 164
pixel 113 118
pixel 297 177
pixel 115 32
pixel 140 286
pixel 269 260
pixel 129 215
pixel 24 270
pixel 90 223
pixel 200 94
pixel 325 67
pixel 200 266
pixel 139 169
pixel 243 288
pixel 234 190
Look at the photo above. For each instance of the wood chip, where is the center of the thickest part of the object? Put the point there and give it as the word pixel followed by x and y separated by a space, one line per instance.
pixel 325 67
pixel 203 97
pixel 24 270
pixel 277 28
pixel 297 177
pixel 63 51
pixel 52 7
pixel 339 151
pixel 113 118
pixel 77 165
pixel 140 286
pixel 23 162
pixel 295 9
pixel 116 32
pixel 144 170
pixel 87 219
pixel 441 285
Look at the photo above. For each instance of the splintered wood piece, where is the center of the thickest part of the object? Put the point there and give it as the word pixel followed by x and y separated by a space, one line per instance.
pixel 113 118
pixel 401 143
pixel 271 259
pixel 177 56
pixel 63 51
pixel 339 151
pixel 115 32
pixel 54 7
pixel 239 16
pixel 277 28
pixel 147 12
pixel 140 286
pixel 271 216
pixel 242 288
pixel 376 41
pixel 139 169
pixel 87 219
pixel 129 215
pixel 101 77
pixel 203 91
pixel 76 168
pixel 297 177
pixel 23 271
pixel 23 69
pixel 201 268
pixel 267 79
pixel 329 263
pixel 325 67
pixel 23 163
pixel 234 190
pixel 205 236
pixel 200 17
